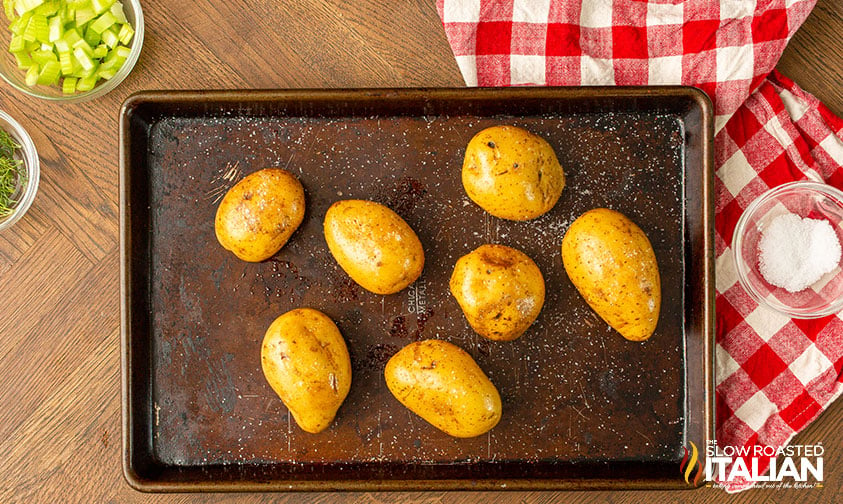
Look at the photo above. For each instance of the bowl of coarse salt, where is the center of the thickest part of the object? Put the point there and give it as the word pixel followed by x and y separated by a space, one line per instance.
pixel 787 247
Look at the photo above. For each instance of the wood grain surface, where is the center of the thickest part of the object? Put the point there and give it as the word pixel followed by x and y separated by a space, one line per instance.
pixel 59 297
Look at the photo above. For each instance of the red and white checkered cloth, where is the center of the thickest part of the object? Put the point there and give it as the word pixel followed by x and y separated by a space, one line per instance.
pixel 774 375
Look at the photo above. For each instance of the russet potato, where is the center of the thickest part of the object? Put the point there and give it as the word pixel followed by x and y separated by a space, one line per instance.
pixel 305 360
pixel 512 173
pixel 374 245
pixel 258 215
pixel 441 383
pixel 500 290
pixel 612 264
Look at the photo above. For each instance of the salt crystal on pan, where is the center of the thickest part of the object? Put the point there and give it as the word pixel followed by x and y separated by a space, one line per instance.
pixel 796 252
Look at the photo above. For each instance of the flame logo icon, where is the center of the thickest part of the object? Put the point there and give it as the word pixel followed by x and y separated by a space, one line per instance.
pixel 687 466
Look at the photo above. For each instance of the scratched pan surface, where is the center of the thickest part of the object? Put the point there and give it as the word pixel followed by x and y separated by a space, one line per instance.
pixel 582 407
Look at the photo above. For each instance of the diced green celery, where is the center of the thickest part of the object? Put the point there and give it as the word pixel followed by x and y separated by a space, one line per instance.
pixel 87 83
pixel 83 58
pixel 109 37
pixel 100 52
pixel 19 25
pixel 117 12
pixel 43 57
pixel 22 6
pixel 46 9
pixel 84 14
pixel 102 23
pixel 126 33
pixel 49 74
pixel 23 59
pixel 56 28
pixel 17 44
pixel 101 6
pixel 37 29
pixel 66 61
pixel 9 7
pixel 62 46
pixel 123 52
pixel 32 75
pixel 106 73
pixel 91 37
pixel 82 43
pixel 71 36
pixel 68 85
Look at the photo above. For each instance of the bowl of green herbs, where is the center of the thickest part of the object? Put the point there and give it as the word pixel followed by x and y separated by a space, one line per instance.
pixel 19 171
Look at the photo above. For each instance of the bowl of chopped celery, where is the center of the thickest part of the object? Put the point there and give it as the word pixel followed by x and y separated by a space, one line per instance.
pixel 19 171
pixel 69 50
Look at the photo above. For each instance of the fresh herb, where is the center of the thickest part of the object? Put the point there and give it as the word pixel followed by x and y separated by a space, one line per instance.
pixel 12 174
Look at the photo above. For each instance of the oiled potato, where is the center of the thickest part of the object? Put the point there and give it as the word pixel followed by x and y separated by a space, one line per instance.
pixel 306 362
pixel 500 291
pixel 612 264
pixel 442 384
pixel 258 215
pixel 512 173
pixel 373 245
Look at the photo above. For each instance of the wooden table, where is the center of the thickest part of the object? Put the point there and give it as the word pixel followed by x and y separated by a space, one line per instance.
pixel 59 297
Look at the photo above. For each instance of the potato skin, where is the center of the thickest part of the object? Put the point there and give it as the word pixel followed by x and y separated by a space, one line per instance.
pixel 512 173
pixel 258 215
pixel 374 245
pixel 612 264
pixel 305 360
pixel 442 384
pixel 500 290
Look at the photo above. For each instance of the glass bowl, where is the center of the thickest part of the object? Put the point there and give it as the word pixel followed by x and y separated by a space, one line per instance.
pixel 10 72
pixel 29 156
pixel 806 199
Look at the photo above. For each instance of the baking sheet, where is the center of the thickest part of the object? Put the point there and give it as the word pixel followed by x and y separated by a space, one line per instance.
pixel 582 407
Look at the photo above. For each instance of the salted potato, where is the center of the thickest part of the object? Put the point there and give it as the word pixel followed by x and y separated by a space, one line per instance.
pixel 500 291
pixel 306 362
pixel 512 173
pixel 373 245
pixel 258 215
pixel 441 383
pixel 612 264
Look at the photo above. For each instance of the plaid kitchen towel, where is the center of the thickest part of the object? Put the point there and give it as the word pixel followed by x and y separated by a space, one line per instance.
pixel 774 374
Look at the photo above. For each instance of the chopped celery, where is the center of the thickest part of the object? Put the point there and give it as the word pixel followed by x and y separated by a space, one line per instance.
pixel 109 37
pixel 32 75
pixel 106 73
pixel 49 74
pixel 102 23
pixel 70 43
pixel 66 62
pixel 23 59
pixel 126 33
pixel 17 44
pixel 56 28
pixel 91 37
pixel 83 58
pixel 117 12
pixel 101 6
pixel 43 57
pixel 72 36
pixel 86 83
pixel 22 6
pixel 68 85
pixel 84 15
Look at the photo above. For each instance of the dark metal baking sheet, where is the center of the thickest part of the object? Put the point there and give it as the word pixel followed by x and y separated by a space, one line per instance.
pixel 582 407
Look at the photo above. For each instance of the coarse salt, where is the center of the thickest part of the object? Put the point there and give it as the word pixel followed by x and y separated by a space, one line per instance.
pixel 796 252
